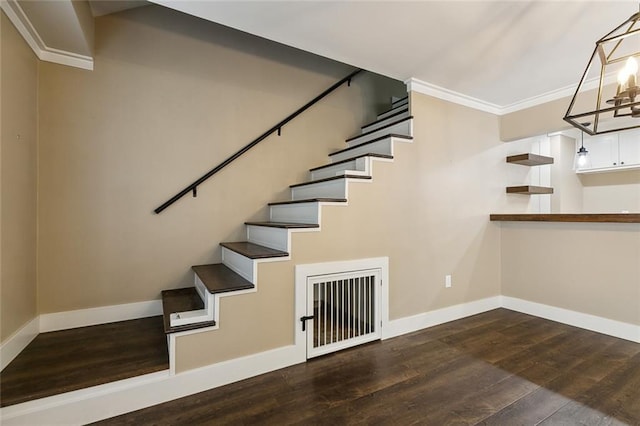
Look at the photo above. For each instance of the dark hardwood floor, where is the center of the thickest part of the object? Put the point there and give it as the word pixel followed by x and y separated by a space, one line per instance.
pixel 63 361
pixel 496 368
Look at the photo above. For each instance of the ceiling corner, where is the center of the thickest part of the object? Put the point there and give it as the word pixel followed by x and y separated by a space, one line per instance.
pixel 39 30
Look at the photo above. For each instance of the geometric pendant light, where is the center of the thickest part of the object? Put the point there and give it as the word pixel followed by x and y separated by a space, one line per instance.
pixel 614 103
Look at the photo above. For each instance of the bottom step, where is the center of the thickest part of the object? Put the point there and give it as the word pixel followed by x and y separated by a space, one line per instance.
pixel 181 300
pixel 69 360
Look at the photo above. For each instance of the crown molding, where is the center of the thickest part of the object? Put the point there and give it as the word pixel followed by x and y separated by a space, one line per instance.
pixel 554 95
pixel 45 53
pixel 417 85
pixel 543 98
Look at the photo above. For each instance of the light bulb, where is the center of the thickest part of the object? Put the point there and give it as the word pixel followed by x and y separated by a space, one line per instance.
pixel 623 77
pixel 623 80
pixel 632 69
pixel 582 160
pixel 631 66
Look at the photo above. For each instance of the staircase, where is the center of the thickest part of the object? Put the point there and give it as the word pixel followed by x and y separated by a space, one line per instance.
pixel 196 307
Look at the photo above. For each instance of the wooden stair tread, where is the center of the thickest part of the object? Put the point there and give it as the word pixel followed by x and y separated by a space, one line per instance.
pixel 401 100
pixel 380 128
pixel 253 251
pixel 393 109
pixel 311 182
pixel 389 157
pixel 401 110
pixel 181 300
pixel 309 200
pixel 220 279
pixel 390 135
pixel 284 225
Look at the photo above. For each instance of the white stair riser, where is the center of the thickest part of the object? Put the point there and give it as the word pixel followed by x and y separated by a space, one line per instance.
pixel 189 317
pixel 275 238
pixel 399 102
pixel 199 315
pixel 205 296
pixel 358 166
pixel 296 213
pixel 391 112
pixel 403 128
pixel 330 189
pixel 383 146
pixel 385 122
pixel 239 264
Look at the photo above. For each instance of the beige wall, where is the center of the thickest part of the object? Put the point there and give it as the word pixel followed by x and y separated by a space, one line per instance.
pixel 19 71
pixel 589 268
pixel 545 118
pixel 170 97
pixel 533 121
pixel 428 211
pixel 611 192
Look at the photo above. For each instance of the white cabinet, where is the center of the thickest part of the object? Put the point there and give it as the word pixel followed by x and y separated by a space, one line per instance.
pixel 612 152
pixel 603 150
pixel 629 148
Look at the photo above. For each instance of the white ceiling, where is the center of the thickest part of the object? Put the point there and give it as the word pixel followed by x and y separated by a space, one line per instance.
pixel 498 52
pixel 495 55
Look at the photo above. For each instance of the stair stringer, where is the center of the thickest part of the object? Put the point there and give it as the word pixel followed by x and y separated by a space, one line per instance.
pixel 294 213
pixel 280 238
pixel 248 268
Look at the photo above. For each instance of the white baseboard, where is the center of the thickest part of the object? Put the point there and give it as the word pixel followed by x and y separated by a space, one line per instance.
pixel 10 348
pixel 104 401
pixel 602 325
pixel 439 316
pixel 101 315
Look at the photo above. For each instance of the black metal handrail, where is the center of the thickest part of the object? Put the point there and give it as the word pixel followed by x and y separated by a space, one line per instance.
pixel 277 128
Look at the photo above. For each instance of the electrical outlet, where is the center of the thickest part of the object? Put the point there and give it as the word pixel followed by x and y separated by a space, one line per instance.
pixel 447 281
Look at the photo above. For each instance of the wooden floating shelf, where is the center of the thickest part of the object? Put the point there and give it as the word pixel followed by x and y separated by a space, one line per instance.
pixel 529 190
pixel 568 217
pixel 529 159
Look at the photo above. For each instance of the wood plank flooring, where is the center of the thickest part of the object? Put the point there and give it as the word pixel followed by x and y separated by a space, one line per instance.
pixel 63 361
pixel 496 368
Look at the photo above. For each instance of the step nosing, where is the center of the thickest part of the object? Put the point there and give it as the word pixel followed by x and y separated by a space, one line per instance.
pixel 283 225
pixel 370 154
pixel 402 111
pixel 309 200
pixel 253 251
pixel 406 98
pixel 381 128
pixel 378 139
pixel 189 327
pixel 313 182
pixel 393 108
pixel 218 278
